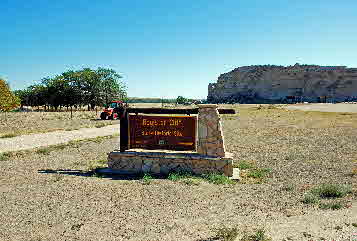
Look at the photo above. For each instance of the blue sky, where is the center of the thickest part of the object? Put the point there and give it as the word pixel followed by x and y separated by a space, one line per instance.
pixel 168 48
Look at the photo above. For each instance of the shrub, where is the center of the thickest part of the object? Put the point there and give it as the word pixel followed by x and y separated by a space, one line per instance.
pixel 310 198
pixel 332 190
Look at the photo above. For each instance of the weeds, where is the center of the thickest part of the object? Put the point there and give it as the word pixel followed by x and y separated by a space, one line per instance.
pixel 5 156
pixel 243 165
pixel 44 151
pixel 333 206
pixel 147 178
pixel 226 234
pixel 259 173
pixel 10 135
pixel 259 235
pixel 176 176
pixel 327 191
pixel 184 177
pixel 217 179
pixel 332 190
pixel 309 198
pixel 191 179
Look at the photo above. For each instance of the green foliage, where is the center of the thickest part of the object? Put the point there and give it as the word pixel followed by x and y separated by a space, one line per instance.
pixel 75 88
pixel 258 236
pixel 181 100
pixel 147 178
pixel 8 100
pixel 309 198
pixel 44 151
pixel 5 156
pixel 184 101
pixel 244 165
pixel 184 177
pixel 176 176
pixel 332 190
pixel 259 172
pixel 190 179
pixel 217 179
pixel 327 191
pixel 8 135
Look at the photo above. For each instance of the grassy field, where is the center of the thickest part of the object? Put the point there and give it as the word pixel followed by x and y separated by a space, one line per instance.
pixel 299 182
pixel 21 123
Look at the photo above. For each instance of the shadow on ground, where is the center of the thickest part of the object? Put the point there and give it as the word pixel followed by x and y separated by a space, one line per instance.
pixel 97 174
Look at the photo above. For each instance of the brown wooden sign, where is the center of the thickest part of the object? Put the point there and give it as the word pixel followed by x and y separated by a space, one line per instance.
pixel 162 132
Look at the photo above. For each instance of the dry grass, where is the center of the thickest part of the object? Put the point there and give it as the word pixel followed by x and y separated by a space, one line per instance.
pixel 59 200
pixel 21 123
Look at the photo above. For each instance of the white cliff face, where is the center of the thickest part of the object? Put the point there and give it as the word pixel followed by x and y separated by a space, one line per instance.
pixel 275 83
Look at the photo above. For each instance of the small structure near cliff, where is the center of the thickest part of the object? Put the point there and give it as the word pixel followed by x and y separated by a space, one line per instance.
pixel 277 84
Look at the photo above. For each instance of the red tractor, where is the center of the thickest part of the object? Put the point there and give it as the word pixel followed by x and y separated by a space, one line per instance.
pixel 113 111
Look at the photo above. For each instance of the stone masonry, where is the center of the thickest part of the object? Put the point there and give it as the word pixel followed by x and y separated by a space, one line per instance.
pixel 163 162
pixel 209 158
pixel 210 135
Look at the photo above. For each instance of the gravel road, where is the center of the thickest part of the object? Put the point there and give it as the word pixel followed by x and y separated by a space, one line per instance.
pixel 53 138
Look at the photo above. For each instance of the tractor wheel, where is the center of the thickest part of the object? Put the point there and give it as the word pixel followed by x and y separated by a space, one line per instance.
pixel 103 116
pixel 110 117
pixel 115 116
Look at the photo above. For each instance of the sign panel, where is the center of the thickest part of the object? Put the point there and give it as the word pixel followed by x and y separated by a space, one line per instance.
pixel 162 132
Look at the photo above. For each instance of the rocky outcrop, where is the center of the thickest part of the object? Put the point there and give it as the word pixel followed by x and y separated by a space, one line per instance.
pixel 271 83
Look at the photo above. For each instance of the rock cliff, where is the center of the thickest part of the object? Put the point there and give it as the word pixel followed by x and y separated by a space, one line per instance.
pixel 271 83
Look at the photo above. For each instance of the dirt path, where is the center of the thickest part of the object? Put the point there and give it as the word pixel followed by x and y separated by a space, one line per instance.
pixel 53 138
pixel 325 107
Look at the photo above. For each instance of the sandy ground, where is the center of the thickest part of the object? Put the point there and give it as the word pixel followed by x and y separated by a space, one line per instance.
pixel 52 196
pixel 32 141
pixel 340 107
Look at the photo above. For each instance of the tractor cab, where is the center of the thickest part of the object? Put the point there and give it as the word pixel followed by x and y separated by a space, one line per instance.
pixel 112 111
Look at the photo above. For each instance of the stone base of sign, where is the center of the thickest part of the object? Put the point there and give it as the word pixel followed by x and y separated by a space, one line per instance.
pixel 164 162
pixel 210 135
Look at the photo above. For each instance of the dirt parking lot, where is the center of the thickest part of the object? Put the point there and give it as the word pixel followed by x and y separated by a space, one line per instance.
pixel 49 194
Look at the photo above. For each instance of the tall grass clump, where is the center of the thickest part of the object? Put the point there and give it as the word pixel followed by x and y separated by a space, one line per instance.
pixel 332 190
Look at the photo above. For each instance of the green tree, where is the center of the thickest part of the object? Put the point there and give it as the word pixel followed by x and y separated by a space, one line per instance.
pixel 8 100
pixel 181 100
pixel 111 87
